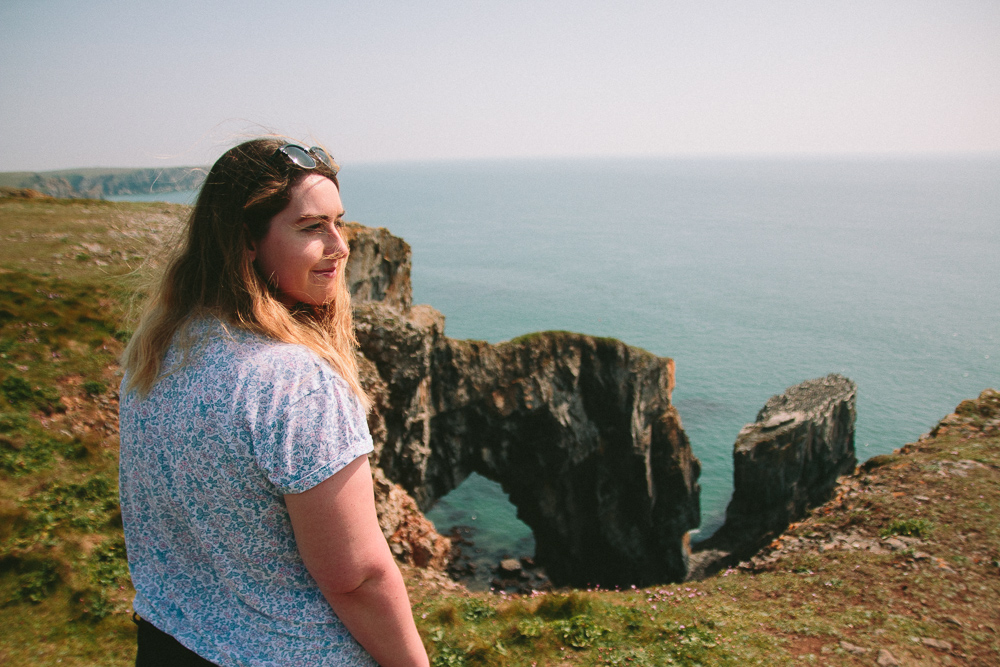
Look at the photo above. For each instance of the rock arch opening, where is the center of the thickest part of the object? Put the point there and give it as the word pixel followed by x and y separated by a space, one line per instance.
pixel 479 512
pixel 579 432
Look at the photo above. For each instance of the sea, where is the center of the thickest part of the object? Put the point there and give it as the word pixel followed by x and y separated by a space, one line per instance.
pixel 753 274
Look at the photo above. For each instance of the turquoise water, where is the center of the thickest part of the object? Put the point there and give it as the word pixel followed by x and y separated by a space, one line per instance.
pixel 753 275
pixel 489 520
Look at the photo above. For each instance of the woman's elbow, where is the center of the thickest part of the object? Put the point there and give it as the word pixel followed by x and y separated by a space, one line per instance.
pixel 348 581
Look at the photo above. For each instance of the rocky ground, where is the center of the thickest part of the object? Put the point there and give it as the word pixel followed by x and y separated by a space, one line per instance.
pixel 912 511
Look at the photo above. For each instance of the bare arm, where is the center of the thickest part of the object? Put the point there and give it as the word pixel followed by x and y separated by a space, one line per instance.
pixel 338 535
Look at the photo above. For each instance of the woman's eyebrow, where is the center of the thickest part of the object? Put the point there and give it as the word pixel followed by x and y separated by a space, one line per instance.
pixel 309 217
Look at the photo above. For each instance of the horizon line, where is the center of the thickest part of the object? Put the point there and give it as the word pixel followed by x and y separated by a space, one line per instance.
pixel 612 157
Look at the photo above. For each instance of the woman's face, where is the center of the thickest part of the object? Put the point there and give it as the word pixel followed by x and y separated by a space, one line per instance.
pixel 303 251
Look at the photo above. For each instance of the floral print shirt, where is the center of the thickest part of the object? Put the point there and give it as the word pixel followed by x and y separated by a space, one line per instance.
pixel 206 459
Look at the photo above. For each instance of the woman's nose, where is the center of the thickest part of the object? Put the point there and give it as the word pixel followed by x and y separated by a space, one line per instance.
pixel 335 243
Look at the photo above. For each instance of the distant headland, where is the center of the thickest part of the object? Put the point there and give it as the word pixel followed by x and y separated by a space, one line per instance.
pixel 99 183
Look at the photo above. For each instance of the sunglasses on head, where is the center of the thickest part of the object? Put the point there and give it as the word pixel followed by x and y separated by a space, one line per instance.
pixel 307 157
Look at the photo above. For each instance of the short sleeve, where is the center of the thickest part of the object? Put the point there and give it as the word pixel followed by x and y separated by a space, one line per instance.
pixel 315 433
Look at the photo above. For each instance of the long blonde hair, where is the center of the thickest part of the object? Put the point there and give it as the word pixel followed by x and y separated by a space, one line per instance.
pixel 212 272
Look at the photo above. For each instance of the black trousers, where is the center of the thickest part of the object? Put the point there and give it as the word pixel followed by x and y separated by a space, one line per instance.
pixel 158 649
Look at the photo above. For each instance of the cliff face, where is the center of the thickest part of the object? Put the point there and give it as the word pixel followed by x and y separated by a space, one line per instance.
pixel 784 464
pixel 400 345
pixel 579 431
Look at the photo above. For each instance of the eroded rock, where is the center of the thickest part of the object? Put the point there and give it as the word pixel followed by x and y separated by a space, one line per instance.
pixel 378 268
pixel 578 430
pixel 784 463
pixel 411 536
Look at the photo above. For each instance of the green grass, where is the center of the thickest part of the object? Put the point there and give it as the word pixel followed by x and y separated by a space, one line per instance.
pixel 65 593
pixel 64 590
pixel 908 528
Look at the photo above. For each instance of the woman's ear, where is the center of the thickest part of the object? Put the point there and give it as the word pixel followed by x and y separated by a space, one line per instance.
pixel 251 248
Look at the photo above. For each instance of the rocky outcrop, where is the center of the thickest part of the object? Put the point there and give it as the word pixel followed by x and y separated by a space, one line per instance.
pixel 379 267
pixel 980 416
pixel 411 536
pixel 400 344
pixel 790 458
pixel 579 431
pixel 784 464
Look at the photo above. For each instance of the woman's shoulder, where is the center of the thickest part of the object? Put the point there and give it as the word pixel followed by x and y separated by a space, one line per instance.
pixel 261 360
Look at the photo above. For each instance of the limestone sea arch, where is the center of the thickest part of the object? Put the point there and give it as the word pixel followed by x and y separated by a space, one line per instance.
pixel 579 431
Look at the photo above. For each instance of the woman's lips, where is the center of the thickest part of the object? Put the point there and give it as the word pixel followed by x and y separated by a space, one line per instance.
pixel 326 273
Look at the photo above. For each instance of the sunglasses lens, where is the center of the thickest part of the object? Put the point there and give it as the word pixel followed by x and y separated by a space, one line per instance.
pixel 323 156
pixel 299 156
pixel 307 157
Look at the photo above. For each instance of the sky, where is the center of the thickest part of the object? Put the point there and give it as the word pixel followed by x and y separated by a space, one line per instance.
pixel 146 84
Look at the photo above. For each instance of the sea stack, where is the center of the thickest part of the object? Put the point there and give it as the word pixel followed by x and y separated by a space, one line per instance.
pixel 784 463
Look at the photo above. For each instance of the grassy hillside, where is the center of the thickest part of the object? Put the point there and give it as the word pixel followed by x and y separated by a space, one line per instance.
pixel 903 567
pixel 67 272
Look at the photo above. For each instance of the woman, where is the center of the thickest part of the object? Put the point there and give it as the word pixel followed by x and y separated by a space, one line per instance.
pixel 245 488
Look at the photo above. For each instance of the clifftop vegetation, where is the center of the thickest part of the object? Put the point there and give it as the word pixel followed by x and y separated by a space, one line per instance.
pixel 902 567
